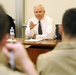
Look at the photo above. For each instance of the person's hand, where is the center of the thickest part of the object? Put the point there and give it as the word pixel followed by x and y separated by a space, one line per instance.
pixel 32 25
pixel 34 37
pixel 19 51
pixel 22 59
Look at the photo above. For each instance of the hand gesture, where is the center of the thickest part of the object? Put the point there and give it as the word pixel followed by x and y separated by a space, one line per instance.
pixel 32 25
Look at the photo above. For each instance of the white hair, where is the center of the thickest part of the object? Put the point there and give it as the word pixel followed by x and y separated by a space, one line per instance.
pixel 39 5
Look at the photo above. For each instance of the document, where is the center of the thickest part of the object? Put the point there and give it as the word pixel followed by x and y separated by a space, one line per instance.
pixel 33 40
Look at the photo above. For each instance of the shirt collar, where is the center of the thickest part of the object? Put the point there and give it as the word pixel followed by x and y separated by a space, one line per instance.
pixel 41 20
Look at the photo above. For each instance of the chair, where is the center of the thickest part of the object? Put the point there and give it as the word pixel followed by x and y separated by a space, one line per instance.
pixel 58 36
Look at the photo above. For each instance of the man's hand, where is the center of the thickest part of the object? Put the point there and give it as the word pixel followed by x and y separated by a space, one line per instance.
pixel 32 25
pixel 34 37
pixel 19 51
pixel 22 59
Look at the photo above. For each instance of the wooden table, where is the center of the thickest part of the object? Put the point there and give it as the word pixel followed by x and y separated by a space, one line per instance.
pixel 52 43
pixel 39 47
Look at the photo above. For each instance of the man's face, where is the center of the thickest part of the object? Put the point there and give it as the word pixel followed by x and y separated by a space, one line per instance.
pixel 39 12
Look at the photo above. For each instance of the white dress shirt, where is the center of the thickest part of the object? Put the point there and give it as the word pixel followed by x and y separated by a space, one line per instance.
pixel 48 28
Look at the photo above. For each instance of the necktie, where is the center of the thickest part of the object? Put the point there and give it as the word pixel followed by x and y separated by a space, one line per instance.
pixel 39 28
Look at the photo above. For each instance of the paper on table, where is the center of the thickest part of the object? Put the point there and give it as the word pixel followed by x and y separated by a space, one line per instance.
pixel 33 40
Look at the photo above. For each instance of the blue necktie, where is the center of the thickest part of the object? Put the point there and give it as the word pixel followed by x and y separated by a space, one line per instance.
pixel 39 28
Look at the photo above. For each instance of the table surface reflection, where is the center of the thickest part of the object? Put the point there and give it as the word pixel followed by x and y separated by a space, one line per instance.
pixel 39 43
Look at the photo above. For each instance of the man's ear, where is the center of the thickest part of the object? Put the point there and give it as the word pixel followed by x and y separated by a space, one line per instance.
pixel 4 39
pixel 60 29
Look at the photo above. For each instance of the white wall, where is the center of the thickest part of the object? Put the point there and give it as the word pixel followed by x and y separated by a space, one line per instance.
pixel 9 6
pixel 54 8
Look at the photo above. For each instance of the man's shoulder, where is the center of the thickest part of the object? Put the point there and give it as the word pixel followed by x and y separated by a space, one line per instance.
pixel 4 70
pixel 49 55
pixel 45 56
pixel 45 59
pixel 48 18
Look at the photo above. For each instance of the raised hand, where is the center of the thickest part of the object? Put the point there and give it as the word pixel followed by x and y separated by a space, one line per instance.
pixel 32 25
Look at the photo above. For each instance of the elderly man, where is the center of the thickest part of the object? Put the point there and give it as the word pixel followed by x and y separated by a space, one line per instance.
pixel 41 26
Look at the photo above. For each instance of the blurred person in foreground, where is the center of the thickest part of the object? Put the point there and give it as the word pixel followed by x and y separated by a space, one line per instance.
pixel 47 26
pixel 61 60
pixel 21 57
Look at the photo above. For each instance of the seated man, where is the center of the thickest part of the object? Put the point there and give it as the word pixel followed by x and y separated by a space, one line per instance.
pixel 61 60
pixel 22 62
pixel 41 26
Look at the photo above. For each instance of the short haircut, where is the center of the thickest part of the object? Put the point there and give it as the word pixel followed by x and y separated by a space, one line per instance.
pixel 4 23
pixel 39 5
pixel 69 22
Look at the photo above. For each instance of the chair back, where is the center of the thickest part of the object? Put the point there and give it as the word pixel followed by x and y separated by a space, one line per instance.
pixel 58 36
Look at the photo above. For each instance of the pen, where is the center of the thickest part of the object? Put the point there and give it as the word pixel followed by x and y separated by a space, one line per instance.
pixel 12 64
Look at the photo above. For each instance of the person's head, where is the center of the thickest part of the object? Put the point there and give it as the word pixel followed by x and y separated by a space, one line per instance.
pixel 4 25
pixel 69 23
pixel 39 12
